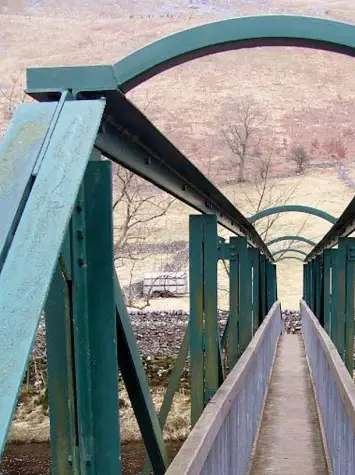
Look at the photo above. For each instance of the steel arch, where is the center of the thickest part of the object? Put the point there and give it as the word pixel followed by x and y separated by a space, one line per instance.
pixel 203 40
pixel 290 257
pixel 234 33
pixel 289 249
pixel 291 238
pixel 287 208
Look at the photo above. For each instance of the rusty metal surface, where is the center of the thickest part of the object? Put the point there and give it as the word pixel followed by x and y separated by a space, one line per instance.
pixel 222 440
pixel 290 441
pixel 335 391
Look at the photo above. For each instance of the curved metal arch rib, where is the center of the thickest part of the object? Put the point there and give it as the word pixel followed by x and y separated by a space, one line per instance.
pixel 289 249
pixel 287 208
pixel 234 33
pixel 291 238
pixel 290 257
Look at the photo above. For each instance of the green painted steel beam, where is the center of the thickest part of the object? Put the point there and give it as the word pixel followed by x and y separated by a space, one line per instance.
pixel 136 144
pixel 19 151
pixel 292 208
pixel 245 292
pixel 327 290
pixel 37 242
pixel 94 321
pixel 234 33
pixel 210 259
pixel 344 226
pixel 254 257
pixel 291 238
pixel 197 379
pixel 350 309
pixel 338 335
pixel 231 333
pixel 289 249
pixel 137 386
pixel 61 378
pixel 173 385
pixel 263 301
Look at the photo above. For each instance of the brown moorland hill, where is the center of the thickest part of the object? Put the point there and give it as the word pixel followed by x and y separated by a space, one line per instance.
pixel 307 95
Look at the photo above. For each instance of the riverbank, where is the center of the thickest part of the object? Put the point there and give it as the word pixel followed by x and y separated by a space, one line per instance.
pixel 31 421
pixel 34 459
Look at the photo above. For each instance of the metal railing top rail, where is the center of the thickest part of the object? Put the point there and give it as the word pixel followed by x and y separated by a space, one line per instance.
pixel 343 380
pixel 344 226
pixel 194 452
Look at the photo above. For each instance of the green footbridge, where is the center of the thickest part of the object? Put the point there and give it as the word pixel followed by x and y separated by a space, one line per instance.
pixel 57 261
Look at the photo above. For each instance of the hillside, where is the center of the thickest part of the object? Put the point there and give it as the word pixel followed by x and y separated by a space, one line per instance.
pixel 308 96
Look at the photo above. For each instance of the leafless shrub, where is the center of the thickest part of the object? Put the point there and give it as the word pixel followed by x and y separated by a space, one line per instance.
pixel 336 148
pixel 13 97
pixel 300 157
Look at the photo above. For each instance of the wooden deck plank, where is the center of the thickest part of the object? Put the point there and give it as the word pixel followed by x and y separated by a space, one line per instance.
pixel 290 438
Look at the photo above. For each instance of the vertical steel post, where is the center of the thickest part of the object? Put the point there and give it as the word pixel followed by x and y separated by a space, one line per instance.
pixel 61 376
pixel 334 300
pixel 196 318
pixel 327 295
pixel 254 255
pixel 95 324
pixel 263 296
pixel 312 285
pixel 210 259
pixel 271 284
pixel 206 365
pixel 245 292
pixel 319 289
pixel 137 386
pixel 305 281
pixel 338 335
pixel 350 305
pixel 233 326
pixel 274 273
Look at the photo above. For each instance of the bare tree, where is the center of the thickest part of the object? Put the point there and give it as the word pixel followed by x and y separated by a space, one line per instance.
pixel 264 191
pixel 139 206
pixel 13 97
pixel 243 133
pixel 301 157
pixel 336 148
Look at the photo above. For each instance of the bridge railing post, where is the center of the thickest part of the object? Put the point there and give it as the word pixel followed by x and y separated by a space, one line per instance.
pixel 252 291
pixel 205 353
pixel 347 250
pixel 234 301
pixel 80 313
pixel 245 292
pixel 255 269
pixel 213 362
pixel 329 256
pixel 262 282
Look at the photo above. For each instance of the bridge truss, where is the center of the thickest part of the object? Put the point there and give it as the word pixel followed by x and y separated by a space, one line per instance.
pixel 55 195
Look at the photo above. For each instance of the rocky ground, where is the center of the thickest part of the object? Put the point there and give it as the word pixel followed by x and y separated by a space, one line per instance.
pixel 292 321
pixel 159 334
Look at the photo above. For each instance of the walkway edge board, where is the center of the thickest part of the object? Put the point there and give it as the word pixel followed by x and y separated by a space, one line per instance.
pixel 194 452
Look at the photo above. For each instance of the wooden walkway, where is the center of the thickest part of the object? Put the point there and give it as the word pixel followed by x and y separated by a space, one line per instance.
pixel 290 440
